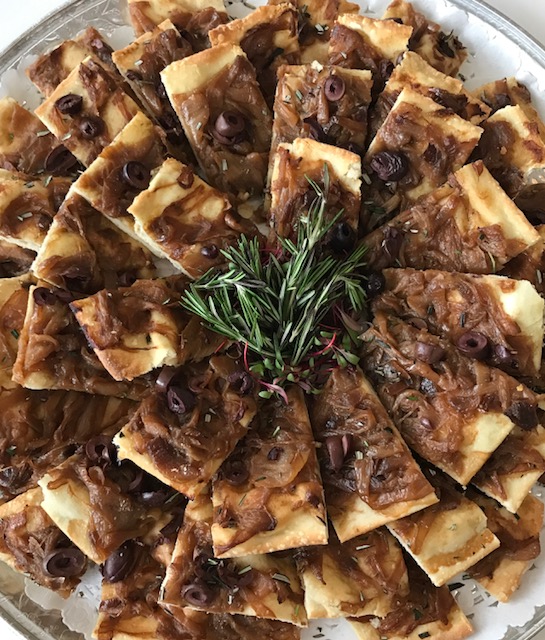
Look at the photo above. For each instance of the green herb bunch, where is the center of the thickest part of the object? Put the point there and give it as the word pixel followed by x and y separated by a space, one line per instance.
pixel 274 303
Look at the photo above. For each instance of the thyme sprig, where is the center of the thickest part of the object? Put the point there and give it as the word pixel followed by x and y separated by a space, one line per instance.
pixel 275 303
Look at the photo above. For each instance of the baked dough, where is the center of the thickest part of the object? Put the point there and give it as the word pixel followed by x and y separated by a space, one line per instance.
pixel 291 499
pixel 104 102
pixel 147 14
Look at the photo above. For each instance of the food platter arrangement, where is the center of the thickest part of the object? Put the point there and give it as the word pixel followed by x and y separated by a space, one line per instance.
pixel 271 305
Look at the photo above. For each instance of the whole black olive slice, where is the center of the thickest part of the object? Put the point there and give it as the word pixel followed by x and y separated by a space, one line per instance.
pixel 91 127
pixel 390 166
pixel 335 452
pixel 430 353
pixel 60 160
pixel 342 237
pixel 374 284
pixel 120 563
pixel 523 414
pixel 179 399
pixel 241 382
pixel 334 88
pixel 235 472
pixel 44 297
pixel 197 594
pixel 70 104
pixel 64 563
pixel 100 449
pixel 136 175
pixel 229 124
pixel 210 251
pixel 474 345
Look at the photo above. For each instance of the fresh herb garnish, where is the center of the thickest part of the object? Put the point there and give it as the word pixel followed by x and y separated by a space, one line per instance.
pixel 275 302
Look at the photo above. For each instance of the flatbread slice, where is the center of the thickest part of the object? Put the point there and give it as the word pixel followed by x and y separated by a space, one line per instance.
pixel 40 430
pixel 197 580
pixel 414 72
pixel 360 42
pixel 370 477
pixel 99 503
pixel 416 148
pixel 133 330
pixel 31 544
pixel 26 146
pixel 302 108
pixel 51 68
pixel 513 149
pixel 514 468
pixel 427 612
pixel 469 225
pixel 103 111
pixel 268 494
pixel 455 426
pixel 448 537
pixel 442 51
pixel 196 17
pixel 186 221
pixel 315 20
pixel 53 353
pixel 26 209
pixel 501 572
pixel 302 173
pixel 205 90
pixel 122 170
pixel 509 313
pixel 141 63
pixel 185 446
pixel 509 91
pixel 365 576
pixel 85 252
pixel 269 38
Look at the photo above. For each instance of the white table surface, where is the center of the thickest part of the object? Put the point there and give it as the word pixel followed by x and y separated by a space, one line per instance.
pixel 22 14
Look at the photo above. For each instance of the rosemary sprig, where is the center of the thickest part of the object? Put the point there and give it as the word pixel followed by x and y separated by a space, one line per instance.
pixel 274 303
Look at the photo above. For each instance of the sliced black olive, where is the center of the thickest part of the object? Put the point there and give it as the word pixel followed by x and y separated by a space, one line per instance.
pixel 235 472
pixel 390 166
pixel 275 453
pixel 120 563
pixel 315 130
pixel 430 353
pixel 241 382
pixel 432 155
pixel 100 449
pixel 64 295
pixel 334 88
pixel 172 528
pixel 136 175
pixel 342 237
pixel 504 357
pixel 64 563
pixel 197 594
pixel 44 297
pixel 443 45
pixel 179 399
pixel 335 452
pixel 165 378
pixel 211 251
pixel 474 345
pixel 374 284
pixel 60 160
pixel 523 414
pixel 91 127
pixel 186 178
pixel 502 100
pixel 70 104
pixel 230 124
pixel 102 50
